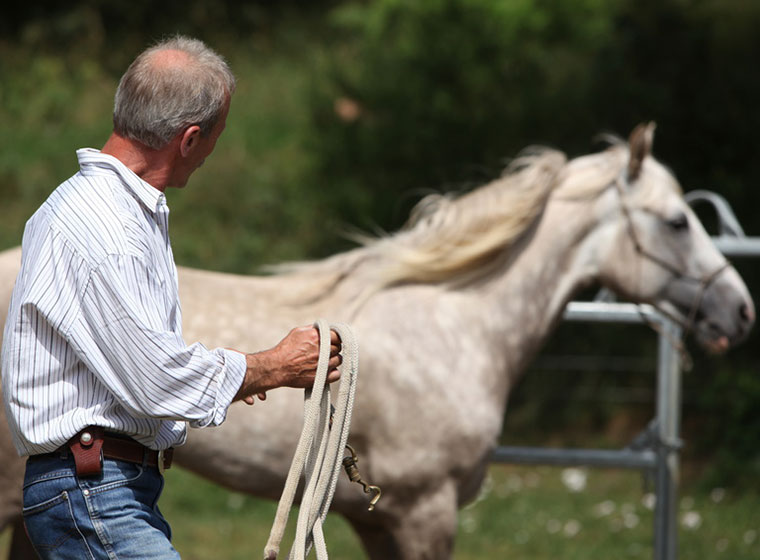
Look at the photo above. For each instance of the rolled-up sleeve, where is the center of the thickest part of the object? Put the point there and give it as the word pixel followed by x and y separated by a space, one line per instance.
pixel 125 334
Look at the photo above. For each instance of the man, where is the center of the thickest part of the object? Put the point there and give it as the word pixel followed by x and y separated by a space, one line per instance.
pixel 97 381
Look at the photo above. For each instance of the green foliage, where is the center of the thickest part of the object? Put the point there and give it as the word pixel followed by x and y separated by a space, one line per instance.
pixel 441 90
pixel 688 66
pixel 729 425
pixel 48 104
pixel 251 203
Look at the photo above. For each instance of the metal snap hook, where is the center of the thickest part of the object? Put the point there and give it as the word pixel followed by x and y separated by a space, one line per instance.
pixel 349 463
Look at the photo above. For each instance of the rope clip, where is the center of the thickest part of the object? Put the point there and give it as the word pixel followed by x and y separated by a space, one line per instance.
pixel 349 463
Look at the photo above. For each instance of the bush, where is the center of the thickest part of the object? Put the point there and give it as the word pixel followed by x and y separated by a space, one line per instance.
pixel 434 93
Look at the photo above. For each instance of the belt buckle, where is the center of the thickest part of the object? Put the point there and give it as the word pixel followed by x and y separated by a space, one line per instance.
pixel 160 461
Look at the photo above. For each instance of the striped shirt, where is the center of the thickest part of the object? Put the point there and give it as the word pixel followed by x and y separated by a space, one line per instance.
pixel 93 335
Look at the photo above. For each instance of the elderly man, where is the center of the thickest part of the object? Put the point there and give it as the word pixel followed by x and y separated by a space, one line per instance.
pixel 97 380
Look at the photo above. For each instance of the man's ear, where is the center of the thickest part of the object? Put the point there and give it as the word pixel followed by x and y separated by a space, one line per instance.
pixel 189 139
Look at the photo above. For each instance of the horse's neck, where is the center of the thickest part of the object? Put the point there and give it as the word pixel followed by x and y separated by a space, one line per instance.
pixel 557 259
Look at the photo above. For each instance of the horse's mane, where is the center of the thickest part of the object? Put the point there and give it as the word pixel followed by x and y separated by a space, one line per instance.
pixel 453 238
pixel 450 235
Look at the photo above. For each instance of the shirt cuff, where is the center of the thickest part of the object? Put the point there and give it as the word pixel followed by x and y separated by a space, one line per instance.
pixel 228 382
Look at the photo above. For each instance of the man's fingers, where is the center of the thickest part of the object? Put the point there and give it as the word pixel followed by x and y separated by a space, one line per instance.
pixel 335 361
pixel 335 342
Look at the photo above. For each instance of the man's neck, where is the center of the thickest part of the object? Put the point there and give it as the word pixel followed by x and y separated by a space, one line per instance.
pixel 152 166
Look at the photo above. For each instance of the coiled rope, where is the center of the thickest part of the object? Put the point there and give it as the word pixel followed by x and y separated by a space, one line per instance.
pixel 319 450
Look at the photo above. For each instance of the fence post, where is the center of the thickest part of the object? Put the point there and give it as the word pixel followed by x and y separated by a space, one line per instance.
pixel 668 444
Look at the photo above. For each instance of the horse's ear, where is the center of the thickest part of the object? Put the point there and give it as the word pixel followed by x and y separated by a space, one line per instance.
pixel 640 146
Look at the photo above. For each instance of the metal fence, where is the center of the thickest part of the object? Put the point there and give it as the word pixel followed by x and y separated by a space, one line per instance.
pixel 656 449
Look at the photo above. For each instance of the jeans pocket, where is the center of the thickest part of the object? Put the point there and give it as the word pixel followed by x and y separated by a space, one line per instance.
pixel 116 474
pixel 51 525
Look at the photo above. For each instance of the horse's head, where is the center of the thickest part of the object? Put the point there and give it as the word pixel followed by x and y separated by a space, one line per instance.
pixel 657 251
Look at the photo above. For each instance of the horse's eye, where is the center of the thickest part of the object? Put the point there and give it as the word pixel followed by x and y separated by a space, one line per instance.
pixel 679 223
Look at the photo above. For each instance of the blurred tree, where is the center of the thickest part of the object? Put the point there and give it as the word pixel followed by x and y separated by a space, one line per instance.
pixel 434 93
pixel 690 66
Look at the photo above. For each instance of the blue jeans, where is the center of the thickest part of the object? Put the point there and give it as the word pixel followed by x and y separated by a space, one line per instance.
pixel 111 516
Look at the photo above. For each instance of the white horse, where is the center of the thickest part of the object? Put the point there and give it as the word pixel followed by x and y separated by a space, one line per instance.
pixel 448 312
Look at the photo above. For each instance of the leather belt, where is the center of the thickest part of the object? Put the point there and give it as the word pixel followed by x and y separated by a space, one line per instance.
pixel 92 444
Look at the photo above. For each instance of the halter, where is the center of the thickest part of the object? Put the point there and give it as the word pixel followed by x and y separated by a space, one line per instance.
pixel 703 282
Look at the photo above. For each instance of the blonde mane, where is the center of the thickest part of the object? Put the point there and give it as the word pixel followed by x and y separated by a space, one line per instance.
pixel 450 236
pixel 454 239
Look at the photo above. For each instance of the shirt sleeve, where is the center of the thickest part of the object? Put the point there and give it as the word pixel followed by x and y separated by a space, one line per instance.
pixel 126 326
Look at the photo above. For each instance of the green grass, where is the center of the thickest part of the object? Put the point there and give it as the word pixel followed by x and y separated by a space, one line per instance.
pixel 522 512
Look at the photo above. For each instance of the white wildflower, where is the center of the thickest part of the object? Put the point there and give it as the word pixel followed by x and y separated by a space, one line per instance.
pixel 553 526
pixel 572 528
pixel 717 495
pixel 691 520
pixel 605 508
pixel 468 522
pixel 750 536
pixel 514 483
pixel 630 520
pixel 649 501
pixel 574 479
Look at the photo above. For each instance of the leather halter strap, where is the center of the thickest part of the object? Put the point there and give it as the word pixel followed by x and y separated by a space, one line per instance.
pixel 704 282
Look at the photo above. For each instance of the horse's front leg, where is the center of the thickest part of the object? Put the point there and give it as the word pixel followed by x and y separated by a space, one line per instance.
pixel 420 529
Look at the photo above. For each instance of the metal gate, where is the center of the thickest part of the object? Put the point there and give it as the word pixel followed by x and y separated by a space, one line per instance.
pixel 656 450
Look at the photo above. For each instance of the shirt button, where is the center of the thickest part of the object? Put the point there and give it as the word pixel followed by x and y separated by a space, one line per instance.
pixel 86 492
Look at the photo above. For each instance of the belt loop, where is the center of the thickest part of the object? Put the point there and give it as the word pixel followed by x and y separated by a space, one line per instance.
pixel 145 458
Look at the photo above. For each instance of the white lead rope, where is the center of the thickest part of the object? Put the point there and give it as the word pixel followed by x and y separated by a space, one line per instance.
pixel 319 451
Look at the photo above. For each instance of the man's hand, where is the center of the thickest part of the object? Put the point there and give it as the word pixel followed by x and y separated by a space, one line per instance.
pixel 292 363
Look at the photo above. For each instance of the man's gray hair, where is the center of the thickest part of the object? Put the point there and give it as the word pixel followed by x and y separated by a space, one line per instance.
pixel 156 101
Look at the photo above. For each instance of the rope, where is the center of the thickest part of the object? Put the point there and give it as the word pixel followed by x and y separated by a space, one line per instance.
pixel 319 451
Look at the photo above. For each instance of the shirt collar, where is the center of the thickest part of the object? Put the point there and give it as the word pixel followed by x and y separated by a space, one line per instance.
pixel 92 161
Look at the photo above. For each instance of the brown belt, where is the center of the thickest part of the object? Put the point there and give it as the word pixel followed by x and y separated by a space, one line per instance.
pixel 92 444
